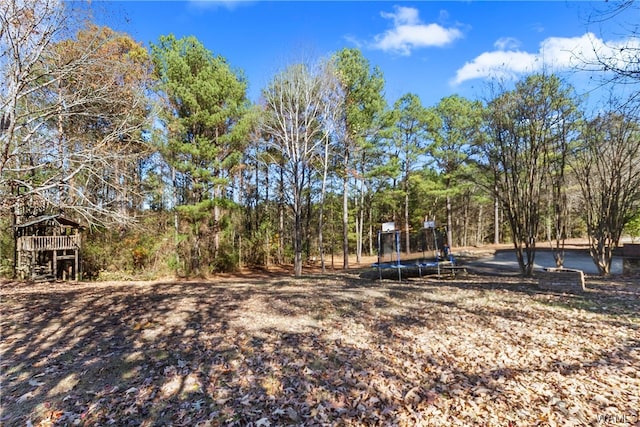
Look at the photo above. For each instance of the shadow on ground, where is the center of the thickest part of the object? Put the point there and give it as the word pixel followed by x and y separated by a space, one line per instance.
pixel 333 349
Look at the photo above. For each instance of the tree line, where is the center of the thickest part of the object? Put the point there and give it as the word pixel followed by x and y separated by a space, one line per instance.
pixel 111 133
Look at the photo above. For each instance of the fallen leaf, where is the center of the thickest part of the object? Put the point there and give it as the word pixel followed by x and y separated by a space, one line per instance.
pixel 28 395
pixel 413 396
pixel 292 414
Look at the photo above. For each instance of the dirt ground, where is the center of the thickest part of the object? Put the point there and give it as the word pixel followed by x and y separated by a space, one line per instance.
pixel 266 349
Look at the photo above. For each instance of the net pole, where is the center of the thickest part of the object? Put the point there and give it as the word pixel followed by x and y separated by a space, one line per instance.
pixel 398 255
pixel 379 251
pixel 437 254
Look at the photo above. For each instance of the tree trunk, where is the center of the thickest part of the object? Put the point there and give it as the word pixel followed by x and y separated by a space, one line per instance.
pixel 407 238
pixel 370 213
pixel 267 234
pixel 323 190
pixel 320 227
pixel 601 251
pixel 345 222
pixel 297 243
pixel 298 184
pixel 496 219
pixel 449 223
pixel 360 228
pixel 281 218
pixel 307 228
pixel 525 253
pixel 465 223
pixel 216 229
pixel 176 222
pixel 480 229
pixel 14 242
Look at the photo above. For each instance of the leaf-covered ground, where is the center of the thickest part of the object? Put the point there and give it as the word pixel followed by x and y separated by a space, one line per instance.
pixel 325 350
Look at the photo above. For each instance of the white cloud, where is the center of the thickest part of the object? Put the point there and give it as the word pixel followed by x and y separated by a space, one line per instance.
pixel 403 16
pixel 507 43
pixel 499 64
pixel 410 33
pixel 554 54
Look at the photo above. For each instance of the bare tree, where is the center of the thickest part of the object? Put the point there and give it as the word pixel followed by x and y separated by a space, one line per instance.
pixel 615 54
pixel 607 165
pixel 527 130
pixel 73 110
pixel 292 122
pixel 332 113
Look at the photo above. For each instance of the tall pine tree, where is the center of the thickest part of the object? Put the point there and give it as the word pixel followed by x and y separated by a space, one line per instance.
pixel 204 104
pixel 364 105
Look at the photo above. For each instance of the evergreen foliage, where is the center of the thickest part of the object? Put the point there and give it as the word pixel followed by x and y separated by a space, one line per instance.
pixel 204 102
pixel 161 156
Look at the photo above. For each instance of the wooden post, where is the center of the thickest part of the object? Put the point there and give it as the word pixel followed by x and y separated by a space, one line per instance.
pixel 75 270
pixel 77 256
pixel 32 266
pixel 14 234
pixel 19 262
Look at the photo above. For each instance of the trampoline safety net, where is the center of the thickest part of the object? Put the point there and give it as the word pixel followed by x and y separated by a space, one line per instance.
pixel 426 250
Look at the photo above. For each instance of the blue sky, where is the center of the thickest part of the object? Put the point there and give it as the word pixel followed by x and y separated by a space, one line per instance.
pixel 430 48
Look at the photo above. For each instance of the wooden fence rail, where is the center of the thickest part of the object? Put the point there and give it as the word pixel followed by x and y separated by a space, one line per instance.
pixel 48 243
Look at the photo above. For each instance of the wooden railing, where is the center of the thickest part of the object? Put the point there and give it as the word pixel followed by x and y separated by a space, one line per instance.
pixel 48 243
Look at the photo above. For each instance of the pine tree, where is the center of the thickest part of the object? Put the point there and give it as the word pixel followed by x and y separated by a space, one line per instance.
pixel 204 105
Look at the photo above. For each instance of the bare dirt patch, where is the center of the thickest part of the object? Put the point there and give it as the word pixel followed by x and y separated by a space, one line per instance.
pixel 323 350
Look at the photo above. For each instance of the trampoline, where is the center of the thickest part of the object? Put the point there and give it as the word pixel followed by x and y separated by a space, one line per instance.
pixel 392 254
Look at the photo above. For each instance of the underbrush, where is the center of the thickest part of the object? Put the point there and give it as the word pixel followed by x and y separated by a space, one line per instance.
pixel 140 252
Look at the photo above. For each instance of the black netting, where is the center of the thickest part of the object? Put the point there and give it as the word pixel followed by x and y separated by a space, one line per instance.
pixel 425 243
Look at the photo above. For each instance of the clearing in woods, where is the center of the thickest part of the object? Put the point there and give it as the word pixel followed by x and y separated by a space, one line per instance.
pixel 337 349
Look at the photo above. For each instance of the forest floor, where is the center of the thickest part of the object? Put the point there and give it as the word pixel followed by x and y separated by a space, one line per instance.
pixel 266 349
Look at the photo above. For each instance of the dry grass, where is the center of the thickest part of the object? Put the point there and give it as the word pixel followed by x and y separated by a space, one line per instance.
pixel 323 350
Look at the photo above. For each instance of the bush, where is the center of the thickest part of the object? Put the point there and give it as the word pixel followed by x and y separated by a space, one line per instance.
pixel 632 228
pixel 227 260
pixel 134 253
pixel 6 248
